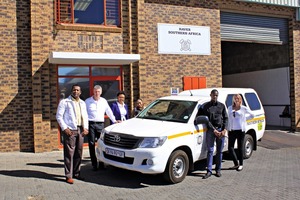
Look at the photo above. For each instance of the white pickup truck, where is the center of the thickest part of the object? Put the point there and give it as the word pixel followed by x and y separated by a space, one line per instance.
pixel 166 137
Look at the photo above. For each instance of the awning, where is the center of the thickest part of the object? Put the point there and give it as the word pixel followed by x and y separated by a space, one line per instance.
pixel 80 58
pixel 288 3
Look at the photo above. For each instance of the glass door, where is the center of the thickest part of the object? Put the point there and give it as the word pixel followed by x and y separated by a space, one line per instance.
pixel 108 77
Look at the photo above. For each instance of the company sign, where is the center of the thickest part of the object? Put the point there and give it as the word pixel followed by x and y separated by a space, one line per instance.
pixel 183 39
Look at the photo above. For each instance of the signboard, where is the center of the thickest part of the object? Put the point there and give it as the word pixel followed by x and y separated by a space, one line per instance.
pixel 174 91
pixel 183 39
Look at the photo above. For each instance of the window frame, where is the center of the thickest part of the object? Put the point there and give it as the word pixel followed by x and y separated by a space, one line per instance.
pixel 58 14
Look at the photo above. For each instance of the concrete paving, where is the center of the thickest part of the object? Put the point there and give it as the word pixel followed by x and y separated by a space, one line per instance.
pixel 273 172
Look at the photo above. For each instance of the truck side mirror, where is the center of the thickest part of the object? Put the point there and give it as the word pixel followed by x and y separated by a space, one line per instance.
pixel 202 119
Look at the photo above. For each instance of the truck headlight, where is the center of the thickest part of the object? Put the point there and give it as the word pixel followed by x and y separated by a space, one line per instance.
pixel 153 142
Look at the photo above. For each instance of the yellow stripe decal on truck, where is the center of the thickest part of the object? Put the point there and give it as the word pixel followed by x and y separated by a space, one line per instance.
pixel 252 121
pixel 180 135
pixel 200 131
pixel 256 120
pixel 185 134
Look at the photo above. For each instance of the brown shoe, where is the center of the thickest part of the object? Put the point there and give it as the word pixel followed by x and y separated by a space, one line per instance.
pixel 218 174
pixel 69 180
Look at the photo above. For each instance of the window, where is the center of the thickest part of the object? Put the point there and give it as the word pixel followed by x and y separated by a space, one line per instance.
pixel 228 101
pixel 87 77
pixel 169 110
pixel 96 12
pixel 253 101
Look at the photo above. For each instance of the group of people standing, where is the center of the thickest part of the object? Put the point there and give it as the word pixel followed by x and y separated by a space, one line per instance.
pixel 78 118
pixel 220 122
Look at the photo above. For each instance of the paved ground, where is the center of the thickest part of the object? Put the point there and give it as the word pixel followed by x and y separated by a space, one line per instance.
pixel 273 172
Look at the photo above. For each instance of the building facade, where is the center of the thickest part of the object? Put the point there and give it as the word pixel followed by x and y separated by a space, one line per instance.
pixel 47 46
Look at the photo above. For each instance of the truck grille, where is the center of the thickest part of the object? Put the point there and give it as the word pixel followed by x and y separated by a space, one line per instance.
pixel 121 140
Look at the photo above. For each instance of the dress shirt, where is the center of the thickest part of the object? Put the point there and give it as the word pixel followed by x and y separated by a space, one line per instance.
pixel 77 111
pixel 216 113
pixel 123 111
pixel 96 110
pixel 242 115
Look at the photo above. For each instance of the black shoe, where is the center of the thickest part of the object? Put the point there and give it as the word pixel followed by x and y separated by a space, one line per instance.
pixel 101 165
pixel 95 168
pixel 234 167
pixel 78 177
pixel 207 175
pixel 218 174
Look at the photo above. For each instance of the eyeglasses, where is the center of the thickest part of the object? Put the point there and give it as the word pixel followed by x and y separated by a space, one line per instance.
pixel 233 113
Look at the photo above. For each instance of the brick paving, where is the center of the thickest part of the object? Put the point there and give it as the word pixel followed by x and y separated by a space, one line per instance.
pixel 271 173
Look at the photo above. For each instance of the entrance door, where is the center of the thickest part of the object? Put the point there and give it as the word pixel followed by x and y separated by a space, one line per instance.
pixel 108 77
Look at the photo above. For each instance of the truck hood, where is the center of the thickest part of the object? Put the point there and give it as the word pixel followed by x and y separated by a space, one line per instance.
pixel 146 127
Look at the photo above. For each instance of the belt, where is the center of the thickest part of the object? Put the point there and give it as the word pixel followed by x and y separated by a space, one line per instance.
pixel 78 127
pixel 92 122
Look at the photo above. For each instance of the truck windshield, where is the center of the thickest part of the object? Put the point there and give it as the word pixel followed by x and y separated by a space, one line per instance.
pixel 169 110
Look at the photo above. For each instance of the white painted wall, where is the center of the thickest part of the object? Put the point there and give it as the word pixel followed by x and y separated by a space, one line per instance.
pixel 273 88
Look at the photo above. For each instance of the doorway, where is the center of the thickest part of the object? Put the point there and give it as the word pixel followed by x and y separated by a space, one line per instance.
pixel 108 77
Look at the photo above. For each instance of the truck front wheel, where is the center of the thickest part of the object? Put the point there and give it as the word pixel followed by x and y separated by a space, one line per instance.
pixel 248 146
pixel 177 167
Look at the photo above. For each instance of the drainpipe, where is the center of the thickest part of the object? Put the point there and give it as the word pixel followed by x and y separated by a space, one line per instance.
pixel 130 51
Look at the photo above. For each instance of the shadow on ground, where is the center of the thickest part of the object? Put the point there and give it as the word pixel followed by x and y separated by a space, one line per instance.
pixel 115 177
pixel 279 138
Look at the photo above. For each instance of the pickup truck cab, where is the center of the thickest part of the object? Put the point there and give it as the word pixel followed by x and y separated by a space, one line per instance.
pixel 166 137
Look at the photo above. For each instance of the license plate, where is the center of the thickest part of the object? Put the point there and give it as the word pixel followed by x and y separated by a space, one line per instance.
pixel 114 152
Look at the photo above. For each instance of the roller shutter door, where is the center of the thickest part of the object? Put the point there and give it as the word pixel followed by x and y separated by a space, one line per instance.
pixel 252 28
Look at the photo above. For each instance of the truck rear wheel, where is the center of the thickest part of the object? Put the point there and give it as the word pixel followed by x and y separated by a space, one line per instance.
pixel 177 167
pixel 248 146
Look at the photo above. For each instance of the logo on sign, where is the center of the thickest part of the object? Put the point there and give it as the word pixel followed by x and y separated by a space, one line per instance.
pixel 185 45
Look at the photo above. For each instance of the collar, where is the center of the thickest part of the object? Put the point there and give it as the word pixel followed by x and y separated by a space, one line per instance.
pixel 213 103
pixel 73 99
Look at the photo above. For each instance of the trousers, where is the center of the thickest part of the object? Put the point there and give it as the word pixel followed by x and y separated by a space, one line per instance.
pixel 95 129
pixel 73 146
pixel 211 138
pixel 238 135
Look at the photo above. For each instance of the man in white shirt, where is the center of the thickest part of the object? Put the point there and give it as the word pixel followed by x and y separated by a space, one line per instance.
pixel 96 107
pixel 72 118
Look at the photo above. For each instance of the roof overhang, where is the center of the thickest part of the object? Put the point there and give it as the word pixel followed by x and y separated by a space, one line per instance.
pixel 80 58
pixel 287 3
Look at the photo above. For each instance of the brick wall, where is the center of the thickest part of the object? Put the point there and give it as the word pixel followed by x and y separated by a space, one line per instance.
pixel 15 63
pixel 295 75
pixel 159 72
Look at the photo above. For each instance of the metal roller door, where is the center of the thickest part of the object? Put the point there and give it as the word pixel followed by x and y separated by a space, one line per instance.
pixel 252 28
